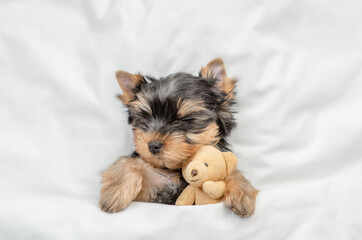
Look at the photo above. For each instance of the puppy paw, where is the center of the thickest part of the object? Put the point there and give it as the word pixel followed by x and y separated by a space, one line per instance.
pixel 115 198
pixel 122 182
pixel 241 204
pixel 240 195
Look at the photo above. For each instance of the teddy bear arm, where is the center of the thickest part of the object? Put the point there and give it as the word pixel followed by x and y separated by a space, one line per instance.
pixel 187 197
pixel 214 189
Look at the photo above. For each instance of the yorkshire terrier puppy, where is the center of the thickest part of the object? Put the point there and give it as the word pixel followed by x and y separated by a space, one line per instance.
pixel 172 117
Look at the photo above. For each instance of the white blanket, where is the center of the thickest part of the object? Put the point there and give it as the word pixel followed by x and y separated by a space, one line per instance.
pixel 299 134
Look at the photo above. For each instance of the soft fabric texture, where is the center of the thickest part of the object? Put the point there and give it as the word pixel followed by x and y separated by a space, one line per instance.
pixel 205 173
pixel 298 138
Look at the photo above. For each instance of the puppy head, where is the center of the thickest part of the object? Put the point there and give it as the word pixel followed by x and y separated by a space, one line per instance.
pixel 172 117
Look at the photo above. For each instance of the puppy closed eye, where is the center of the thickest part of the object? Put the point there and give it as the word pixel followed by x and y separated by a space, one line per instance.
pixel 197 115
pixel 195 123
pixel 206 164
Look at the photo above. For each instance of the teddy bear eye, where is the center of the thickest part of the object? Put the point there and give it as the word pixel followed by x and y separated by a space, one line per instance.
pixel 206 164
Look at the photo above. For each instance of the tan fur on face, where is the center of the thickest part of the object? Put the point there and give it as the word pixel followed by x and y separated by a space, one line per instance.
pixel 176 151
pixel 240 195
pixel 209 136
pixel 140 104
pixel 186 107
pixel 141 140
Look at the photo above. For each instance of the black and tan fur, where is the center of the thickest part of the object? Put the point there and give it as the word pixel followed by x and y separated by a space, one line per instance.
pixel 171 118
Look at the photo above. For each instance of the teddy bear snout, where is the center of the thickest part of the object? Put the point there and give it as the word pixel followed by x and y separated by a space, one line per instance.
pixel 194 172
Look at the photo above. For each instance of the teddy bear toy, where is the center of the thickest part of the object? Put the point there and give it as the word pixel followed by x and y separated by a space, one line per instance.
pixel 205 173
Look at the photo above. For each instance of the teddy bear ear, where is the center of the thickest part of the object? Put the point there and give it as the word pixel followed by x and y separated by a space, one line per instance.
pixel 231 161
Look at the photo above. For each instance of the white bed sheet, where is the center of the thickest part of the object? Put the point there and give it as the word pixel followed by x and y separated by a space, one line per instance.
pixel 299 134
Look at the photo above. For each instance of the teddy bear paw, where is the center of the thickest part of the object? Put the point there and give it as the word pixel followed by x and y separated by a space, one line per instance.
pixel 213 189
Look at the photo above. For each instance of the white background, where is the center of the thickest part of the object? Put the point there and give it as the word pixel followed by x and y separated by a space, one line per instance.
pixel 299 134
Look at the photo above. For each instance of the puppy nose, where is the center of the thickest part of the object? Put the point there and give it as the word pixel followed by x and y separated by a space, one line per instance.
pixel 194 172
pixel 155 146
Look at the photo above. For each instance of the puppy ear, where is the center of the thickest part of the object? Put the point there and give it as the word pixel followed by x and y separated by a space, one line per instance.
pixel 231 161
pixel 129 84
pixel 216 69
